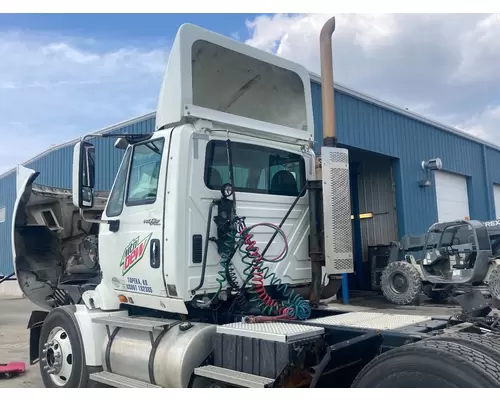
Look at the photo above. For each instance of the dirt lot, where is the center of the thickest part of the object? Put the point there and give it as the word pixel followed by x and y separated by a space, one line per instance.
pixel 14 342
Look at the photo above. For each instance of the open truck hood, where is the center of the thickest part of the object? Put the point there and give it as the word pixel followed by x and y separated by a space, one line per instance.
pixel 46 233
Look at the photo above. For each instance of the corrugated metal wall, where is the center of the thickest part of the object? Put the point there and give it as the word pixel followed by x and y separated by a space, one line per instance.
pixel 55 170
pixel 360 124
pixel 364 125
pixel 107 159
pixel 7 198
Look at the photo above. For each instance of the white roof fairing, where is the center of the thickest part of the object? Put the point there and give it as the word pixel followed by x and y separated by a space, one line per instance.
pixel 213 77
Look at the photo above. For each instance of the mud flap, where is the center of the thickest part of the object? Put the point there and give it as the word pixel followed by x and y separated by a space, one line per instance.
pixel 360 349
pixel 35 326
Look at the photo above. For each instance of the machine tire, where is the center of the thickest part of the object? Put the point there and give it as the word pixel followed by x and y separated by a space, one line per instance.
pixel 494 282
pixel 430 364
pixel 401 270
pixel 437 296
pixel 63 318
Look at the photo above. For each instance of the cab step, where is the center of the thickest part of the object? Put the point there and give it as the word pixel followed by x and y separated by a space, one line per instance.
pixel 137 323
pixel 119 381
pixel 233 377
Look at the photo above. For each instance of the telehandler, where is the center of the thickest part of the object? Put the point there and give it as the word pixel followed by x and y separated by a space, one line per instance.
pixel 453 257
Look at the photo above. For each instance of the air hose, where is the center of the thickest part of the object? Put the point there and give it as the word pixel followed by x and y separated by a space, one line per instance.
pixel 226 247
pixel 227 273
pixel 238 237
pixel 292 305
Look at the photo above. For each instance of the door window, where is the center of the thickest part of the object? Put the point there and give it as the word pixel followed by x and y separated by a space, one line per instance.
pixel 256 169
pixel 144 173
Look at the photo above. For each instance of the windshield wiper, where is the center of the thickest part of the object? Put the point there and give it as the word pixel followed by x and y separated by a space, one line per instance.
pixel 153 147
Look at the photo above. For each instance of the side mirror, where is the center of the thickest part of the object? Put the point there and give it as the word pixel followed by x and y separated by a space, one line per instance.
pixel 83 175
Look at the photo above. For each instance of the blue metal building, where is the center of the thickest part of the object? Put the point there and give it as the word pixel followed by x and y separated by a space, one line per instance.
pixel 390 190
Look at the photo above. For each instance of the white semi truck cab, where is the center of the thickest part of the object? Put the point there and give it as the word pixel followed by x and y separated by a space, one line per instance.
pixel 207 263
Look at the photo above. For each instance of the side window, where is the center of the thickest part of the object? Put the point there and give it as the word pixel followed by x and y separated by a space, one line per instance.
pixel 117 195
pixel 256 169
pixel 144 173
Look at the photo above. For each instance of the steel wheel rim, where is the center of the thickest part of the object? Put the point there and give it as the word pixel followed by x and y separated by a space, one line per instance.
pixel 57 358
pixel 399 283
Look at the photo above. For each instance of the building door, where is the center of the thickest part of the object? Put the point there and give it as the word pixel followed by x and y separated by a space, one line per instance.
pixel 452 196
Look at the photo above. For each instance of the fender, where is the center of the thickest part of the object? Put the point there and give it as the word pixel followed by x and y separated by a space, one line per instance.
pixel 35 323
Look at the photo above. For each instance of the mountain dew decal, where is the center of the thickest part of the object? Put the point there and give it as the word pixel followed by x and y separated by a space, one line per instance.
pixel 133 253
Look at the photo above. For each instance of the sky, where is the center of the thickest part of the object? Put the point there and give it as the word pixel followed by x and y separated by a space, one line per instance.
pixel 64 75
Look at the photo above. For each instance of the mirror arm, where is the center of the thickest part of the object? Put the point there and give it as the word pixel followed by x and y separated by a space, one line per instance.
pixel 92 221
pixel 91 135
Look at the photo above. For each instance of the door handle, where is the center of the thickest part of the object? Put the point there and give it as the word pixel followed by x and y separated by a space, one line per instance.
pixel 114 225
pixel 154 253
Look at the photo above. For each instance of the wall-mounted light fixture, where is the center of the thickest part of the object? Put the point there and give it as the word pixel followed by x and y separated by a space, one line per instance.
pixel 432 164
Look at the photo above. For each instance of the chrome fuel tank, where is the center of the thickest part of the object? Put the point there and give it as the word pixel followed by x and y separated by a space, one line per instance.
pixel 164 357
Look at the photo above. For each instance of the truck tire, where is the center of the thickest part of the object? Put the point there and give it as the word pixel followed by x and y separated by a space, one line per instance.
pixel 401 283
pixel 62 357
pixel 488 345
pixel 430 364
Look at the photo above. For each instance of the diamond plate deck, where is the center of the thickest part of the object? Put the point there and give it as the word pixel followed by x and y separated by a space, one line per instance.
pixel 119 381
pixel 371 320
pixel 273 331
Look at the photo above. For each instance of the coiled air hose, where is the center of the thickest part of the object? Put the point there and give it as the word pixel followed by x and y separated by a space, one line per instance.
pixel 227 273
pixel 292 305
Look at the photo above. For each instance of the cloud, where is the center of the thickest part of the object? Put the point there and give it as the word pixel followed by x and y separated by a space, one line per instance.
pixel 485 124
pixel 444 66
pixel 54 89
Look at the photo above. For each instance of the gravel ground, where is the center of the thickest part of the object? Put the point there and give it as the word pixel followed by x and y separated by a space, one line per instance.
pixel 14 342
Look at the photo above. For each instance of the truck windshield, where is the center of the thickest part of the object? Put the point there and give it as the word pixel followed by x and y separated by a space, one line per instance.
pixel 141 166
pixel 116 197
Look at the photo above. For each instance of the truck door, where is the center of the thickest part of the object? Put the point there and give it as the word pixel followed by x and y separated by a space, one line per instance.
pixel 130 247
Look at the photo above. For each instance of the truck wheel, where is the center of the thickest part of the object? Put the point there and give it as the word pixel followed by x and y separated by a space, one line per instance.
pixel 437 296
pixel 430 364
pixel 488 345
pixel 494 282
pixel 62 358
pixel 401 283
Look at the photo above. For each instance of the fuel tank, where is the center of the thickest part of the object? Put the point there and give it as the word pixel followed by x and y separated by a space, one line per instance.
pixel 165 358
